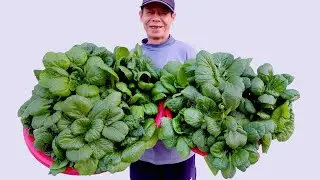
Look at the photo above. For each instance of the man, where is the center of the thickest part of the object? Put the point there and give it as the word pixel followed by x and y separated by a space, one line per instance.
pixel 160 163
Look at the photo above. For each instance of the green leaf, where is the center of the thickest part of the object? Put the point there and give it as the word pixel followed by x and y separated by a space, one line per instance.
pixel 172 67
pixel 265 72
pixel 206 70
pixel 220 163
pixel 150 109
pixel 290 95
pixel 116 132
pixel 182 77
pixel 168 82
pixel 134 152
pixel 80 126
pixel 88 47
pixel 103 108
pixel 77 56
pixel 53 119
pixel 83 153
pixel 249 72
pixel 176 124
pixel 56 59
pixel 66 140
pixel 86 90
pixel 255 131
pixel 206 105
pixel 159 90
pixel 42 92
pixel 138 98
pixel 121 52
pixel 218 149
pixel 137 132
pixel 149 128
pixel 286 131
pixel 58 166
pixel 137 111
pixel 76 106
pixel 211 91
pixel 223 60
pixel 235 139
pixel 126 72
pixel 94 73
pixel 213 126
pixel 119 167
pixel 263 115
pixel 267 99
pixel 170 143
pixel 38 121
pixel 209 162
pixel 121 86
pixel 113 74
pixel 191 93
pixel 64 123
pixel 240 159
pixel 166 128
pixel 101 147
pixel 257 86
pixel 266 141
pixel 237 67
pixel 95 132
pixel 43 140
pixel 289 78
pixel 87 167
pixel 37 107
pixel 175 104
pixel 246 82
pixel 278 84
pixel 229 171
pixel 231 97
pixel 199 139
pixel 182 147
pixel 249 106
pixel 152 141
pixel 193 117
pixel 132 121
pixel 231 123
pixel 57 150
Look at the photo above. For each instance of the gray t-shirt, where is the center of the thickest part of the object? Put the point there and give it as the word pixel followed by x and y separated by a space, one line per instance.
pixel 161 54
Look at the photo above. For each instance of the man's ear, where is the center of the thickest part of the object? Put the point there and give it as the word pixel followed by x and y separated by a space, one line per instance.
pixel 173 16
pixel 140 15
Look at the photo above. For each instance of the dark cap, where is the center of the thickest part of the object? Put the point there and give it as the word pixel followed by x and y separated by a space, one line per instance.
pixel 169 3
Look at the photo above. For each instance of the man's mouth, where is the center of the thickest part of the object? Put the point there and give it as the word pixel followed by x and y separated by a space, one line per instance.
pixel 155 27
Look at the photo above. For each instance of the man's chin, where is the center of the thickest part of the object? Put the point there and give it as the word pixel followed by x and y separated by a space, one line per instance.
pixel 156 36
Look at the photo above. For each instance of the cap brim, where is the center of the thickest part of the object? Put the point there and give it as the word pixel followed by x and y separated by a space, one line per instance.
pixel 151 1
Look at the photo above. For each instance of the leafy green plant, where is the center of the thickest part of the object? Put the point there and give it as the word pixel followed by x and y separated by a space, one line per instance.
pixel 225 108
pixel 92 109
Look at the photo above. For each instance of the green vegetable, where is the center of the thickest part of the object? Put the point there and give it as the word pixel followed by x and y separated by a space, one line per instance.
pixel 92 109
pixel 222 106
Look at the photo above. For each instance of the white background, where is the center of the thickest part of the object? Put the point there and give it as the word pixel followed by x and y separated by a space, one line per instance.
pixel 284 33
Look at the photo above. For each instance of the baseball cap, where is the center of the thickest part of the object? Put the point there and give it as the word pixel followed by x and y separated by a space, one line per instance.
pixel 169 3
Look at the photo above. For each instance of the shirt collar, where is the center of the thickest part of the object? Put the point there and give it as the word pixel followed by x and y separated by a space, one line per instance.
pixel 168 42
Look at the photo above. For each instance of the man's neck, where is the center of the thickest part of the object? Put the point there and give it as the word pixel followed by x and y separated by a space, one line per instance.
pixel 157 40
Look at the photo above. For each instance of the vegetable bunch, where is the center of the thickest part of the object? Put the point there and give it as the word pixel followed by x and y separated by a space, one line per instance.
pixel 225 108
pixel 92 109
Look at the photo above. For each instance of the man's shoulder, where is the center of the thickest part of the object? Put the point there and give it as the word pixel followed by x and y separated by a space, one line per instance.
pixel 186 47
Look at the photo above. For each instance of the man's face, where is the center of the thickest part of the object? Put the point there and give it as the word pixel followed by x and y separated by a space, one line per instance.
pixel 157 20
